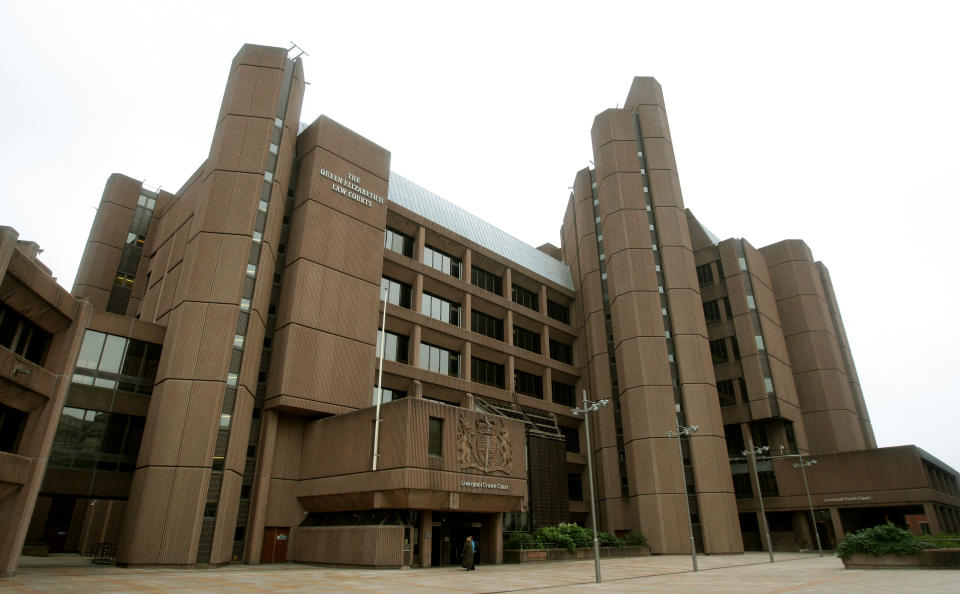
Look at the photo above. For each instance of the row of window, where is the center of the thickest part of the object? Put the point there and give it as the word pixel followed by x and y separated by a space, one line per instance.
pixel 22 336
pixel 115 362
pixel 437 259
pixel 439 308
pixel 705 275
pixel 93 439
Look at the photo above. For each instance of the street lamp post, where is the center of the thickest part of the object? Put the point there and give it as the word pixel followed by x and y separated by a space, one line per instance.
pixel 752 453
pixel 802 465
pixel 683 476
pixel 589 407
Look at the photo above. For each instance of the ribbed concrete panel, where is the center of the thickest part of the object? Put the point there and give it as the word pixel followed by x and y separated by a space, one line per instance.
pixel 321 367
pixel 111 223
pixel 98 267
pixel 217 277
pixel 649 463
pixel 640 309
pixel 198 328
pixel 240 144
pixel 663 520
pixel 325 299
pixel 433 208
pixel 222 551
pixel 642 361
pixel 98 298
pixel 287 451
pixel 721 536
pixel 239 434
pixel 252 90
pixel 181 424
pixel 344 244
pixel 231 204
pixel 367 546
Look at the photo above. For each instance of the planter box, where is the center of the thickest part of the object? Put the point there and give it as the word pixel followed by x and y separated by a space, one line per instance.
pixel 535 555
pixel 930 559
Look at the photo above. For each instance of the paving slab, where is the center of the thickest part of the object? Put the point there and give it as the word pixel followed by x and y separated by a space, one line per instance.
pixel 750 572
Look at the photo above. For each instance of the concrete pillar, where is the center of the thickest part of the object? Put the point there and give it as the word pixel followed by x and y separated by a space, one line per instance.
pixel 495 544
pixel 548 385
pixel 508 284
pixel 933 519
pixel 508 328
pixel 417 297
pixel 545 341
pixel 261 486
pixel 415 346
pixel 837 524
pixel 466 271
pixel 426 537
pixel 466 312
pixel 465 355
pixel 508 375
pixel 8 243
pixel 543 299
pixel 418 244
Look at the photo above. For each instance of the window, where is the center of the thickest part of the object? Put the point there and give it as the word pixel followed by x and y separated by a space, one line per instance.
pixel 22 336
pixel 397 293
pixel 11 427
pixel 388 395
pixel 395 241
pixel 435 444
pixel 571 436
pixel 527 384
pixel 93 439
pixel 486 372
pixel 744 397
pixel 525 339
pixel 526 298
pixel 114 362
pixel 726 393
pixel 705 275
pixel 718 351
pixel 490 326
pixel 439 360
pixel 575 487
pixel 558 312
pixel 441 261
pixel 711 312
pixel 440 309
pixel 561 352
pixel 735 347
pixel 562 393
pixel 396 349
pixel 486 280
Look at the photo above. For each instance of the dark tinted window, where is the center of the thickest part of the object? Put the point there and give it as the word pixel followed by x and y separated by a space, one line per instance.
pixel 526 298
pixel 525 339
pixel 558 312
pixel 486 280
pixel 490 326
pixel 528 384
pixel 486 372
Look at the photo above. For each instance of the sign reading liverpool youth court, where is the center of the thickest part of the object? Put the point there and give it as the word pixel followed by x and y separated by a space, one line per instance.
pixel 351 188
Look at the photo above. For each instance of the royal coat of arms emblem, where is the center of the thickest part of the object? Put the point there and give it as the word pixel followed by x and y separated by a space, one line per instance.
pixel 483 442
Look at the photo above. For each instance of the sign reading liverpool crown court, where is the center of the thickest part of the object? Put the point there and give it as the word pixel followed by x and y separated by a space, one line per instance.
pixel 351 188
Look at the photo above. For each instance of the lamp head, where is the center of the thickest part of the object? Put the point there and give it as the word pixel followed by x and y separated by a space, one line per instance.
pixel 575 412
pixel 694 428
pixel 603 401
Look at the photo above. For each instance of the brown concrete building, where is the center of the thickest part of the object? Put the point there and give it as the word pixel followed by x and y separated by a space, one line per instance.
pixel 208 394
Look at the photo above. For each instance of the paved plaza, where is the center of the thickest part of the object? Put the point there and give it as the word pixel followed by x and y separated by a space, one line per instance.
pixel 751 572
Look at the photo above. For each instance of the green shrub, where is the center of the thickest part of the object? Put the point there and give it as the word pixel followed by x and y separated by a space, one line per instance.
pixel 635 538
pixel 885 539
pixel 940 541
pixel 519 540
pixel 608 540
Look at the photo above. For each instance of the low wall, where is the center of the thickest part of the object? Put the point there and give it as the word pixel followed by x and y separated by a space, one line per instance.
pixel 535 555
pixel 367 546
pixel 930 559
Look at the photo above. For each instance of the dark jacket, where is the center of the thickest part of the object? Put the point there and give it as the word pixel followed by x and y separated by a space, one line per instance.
pixel 467 555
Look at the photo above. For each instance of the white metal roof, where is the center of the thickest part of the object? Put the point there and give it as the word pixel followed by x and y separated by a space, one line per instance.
pixel 450 216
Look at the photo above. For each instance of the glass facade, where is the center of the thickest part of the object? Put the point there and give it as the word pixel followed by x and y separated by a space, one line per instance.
pixel 114 362
pixel 441 261
pixel 395 241
pixel 96 440
pixel 439 359
pixel 440 309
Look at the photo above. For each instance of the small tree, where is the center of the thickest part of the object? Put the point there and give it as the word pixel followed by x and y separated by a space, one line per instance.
pixel 885 539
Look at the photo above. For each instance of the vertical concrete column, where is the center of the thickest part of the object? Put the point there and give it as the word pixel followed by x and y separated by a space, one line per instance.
pixel 417 300
pixel 16 509
pixel 508 284
pixel 548 385
pixel 426 537
pixel 495 544
pixel 466 312
pixel 467 271
pixel 936 527
pixel 419 243
pixel 545 341
pixel 415 346
pixel 837 524
pixel 465 354
pixel 508 328
pixel 261 486
pixel 8 243
pixel 543 299
pixel 508 375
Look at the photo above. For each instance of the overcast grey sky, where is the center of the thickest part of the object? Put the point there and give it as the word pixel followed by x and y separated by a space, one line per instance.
pixel 834 122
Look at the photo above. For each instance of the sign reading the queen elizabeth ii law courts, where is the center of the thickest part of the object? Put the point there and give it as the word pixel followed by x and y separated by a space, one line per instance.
pixel 351 188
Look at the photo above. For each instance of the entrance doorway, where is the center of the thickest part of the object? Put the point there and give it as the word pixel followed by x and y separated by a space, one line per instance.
pixel 450 531
pixel 274 544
